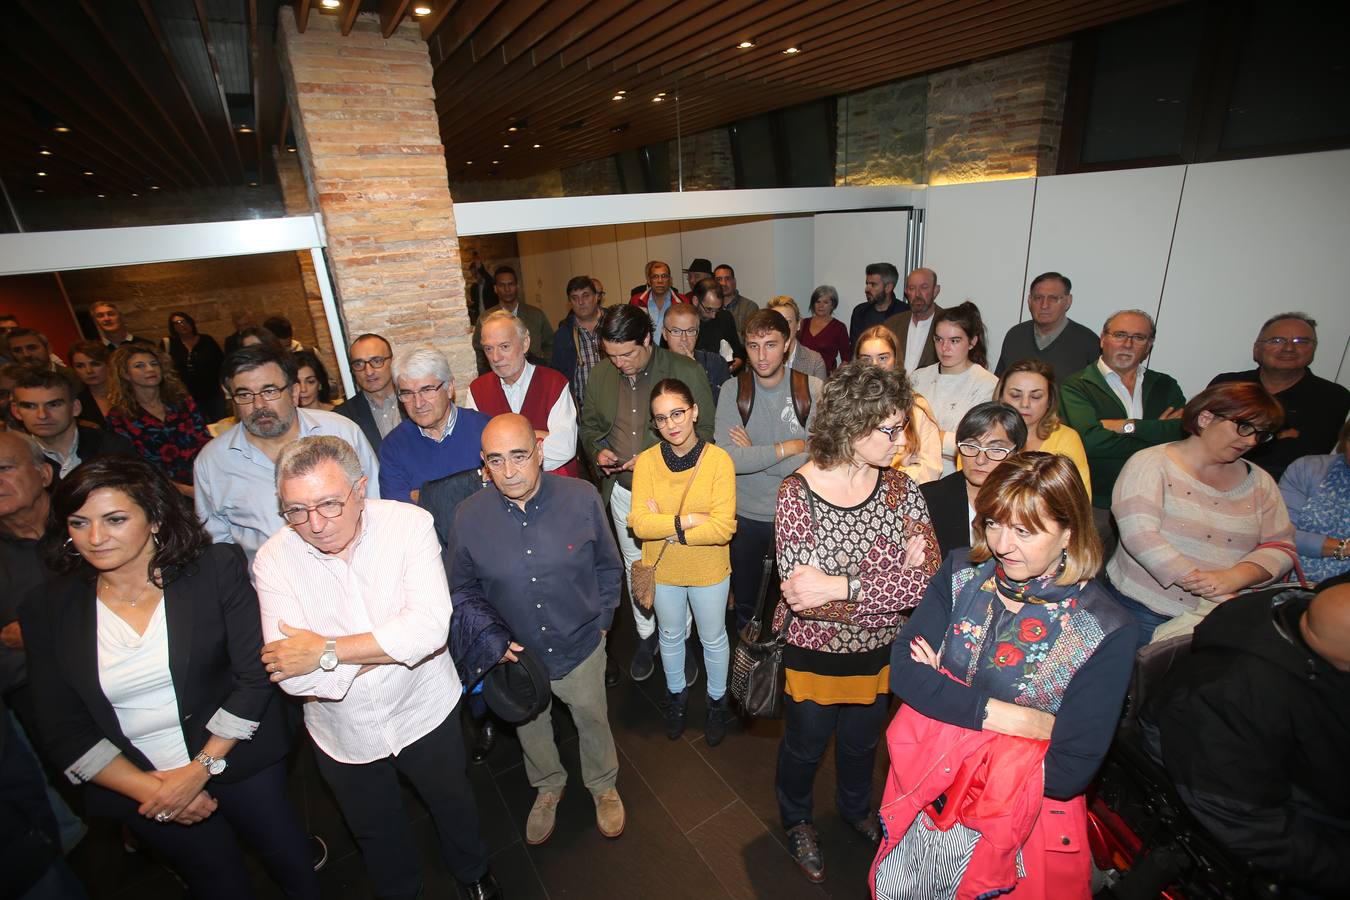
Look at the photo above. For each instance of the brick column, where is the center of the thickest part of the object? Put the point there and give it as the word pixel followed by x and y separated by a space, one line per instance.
pixel 295 199
pixel 364 114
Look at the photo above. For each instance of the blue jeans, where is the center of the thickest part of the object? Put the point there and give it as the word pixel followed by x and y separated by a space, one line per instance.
pixel 807 729
pixel 1147 620
pixel 710 614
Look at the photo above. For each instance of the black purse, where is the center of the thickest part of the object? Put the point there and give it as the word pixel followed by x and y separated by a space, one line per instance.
pixel 758 678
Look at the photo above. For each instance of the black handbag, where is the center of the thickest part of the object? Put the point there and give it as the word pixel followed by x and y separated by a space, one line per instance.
pixel 757 674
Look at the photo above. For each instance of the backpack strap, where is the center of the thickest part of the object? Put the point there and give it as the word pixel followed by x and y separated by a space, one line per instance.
pixel 801 396
pixel 745 394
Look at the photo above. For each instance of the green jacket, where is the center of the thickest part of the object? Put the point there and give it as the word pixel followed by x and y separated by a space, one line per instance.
pixel 541 334
pixel 602 401
pixel 1085 399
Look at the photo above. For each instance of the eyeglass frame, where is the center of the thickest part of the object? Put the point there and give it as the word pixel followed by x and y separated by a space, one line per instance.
pixel 891 430
pixel 987 451
pixel 426 391
pixel 309 510
pixel 1280 341
pixel 249 398
pixel 681 332
pixel 498 463
pixel 359 365
pixel 1130 336
pixel 674 417
pixel 1247 429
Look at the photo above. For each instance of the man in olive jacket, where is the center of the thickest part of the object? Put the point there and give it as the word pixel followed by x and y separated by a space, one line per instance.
pixel 1118 406
pixel 616 426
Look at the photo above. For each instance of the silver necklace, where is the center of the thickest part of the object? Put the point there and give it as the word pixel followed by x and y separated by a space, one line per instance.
pixel 139 594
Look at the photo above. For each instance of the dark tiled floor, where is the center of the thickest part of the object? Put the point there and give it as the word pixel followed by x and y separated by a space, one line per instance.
pixel 702 821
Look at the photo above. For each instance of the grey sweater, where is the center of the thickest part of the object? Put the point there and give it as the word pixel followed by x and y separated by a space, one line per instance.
pixel 1074 348
pixel 772 419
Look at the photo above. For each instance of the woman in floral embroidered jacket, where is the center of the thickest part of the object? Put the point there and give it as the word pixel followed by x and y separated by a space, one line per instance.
pixel 1015 636
pixel 855 550
pixel 149 406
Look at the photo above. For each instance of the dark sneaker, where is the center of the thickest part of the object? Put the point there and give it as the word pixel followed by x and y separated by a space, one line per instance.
pixel 804 847
pixel 715 728
pixel 644 658
pixel 675 706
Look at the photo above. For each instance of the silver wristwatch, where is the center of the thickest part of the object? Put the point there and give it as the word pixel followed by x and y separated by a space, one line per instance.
pixel 212 764
pixel 1128 427
pixel 328 660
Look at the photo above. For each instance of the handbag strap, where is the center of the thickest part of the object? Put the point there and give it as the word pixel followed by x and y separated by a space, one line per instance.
pixel 679 510
pixel 781 636
pixel 1292 552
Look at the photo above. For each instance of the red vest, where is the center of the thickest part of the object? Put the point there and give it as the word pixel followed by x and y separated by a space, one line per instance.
pixel 546 385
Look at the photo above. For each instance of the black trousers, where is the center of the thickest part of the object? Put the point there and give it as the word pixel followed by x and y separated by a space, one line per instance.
pixel 372 803
pixel 752 541
pixel 807 728
pixel 207 855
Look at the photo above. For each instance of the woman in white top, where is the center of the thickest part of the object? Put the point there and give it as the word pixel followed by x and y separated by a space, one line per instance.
pixel 959 379
pixel 920 456
pixel 144 660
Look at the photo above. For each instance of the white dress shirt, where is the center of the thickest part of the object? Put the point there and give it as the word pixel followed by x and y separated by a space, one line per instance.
pixel 561 443
pixel 395 588
pixel 1133 402
pixel 133 670
pixel 235 481
pixel 916 338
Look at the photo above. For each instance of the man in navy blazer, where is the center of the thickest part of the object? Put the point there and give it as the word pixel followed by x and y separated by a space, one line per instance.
pixel 375 408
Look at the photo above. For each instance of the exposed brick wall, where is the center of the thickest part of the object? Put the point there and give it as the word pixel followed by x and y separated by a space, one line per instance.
pixel 365 119
pixel 993 118
pixel 599 176
pixel 707 162
pixel 545 184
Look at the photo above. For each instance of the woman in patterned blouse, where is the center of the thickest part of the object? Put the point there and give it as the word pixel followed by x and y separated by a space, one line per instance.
pixel 855 549
pixel 1014 637
pixel 149 406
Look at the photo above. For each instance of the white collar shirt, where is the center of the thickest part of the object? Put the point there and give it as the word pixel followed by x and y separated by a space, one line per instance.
pixel 1133 402
pixel 915 340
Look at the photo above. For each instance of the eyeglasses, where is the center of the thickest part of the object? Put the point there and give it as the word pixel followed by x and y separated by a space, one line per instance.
pixel 971 449
pixel 426 392
pixel 375 362
pixel 329 509
pixel 1281 341
pixel 682 332
pixel 517 458
pixel 675 417
pixel 1247 429
pixel 248 398
pixel 1126 337
pixel 893 431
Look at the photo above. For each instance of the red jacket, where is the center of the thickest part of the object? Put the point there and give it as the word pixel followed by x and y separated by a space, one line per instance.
pixel 641 298
pixel 993 784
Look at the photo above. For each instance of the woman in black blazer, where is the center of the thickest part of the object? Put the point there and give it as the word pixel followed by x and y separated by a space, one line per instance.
pixel 145 665
pixel 987 434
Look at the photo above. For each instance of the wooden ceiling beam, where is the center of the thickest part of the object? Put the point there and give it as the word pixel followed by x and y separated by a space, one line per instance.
pixel 302 8
pixel 152 22
pixel 68 49
pixel 661 27
pixel 94 153
pixel 439 12
pixel 392 13
pixel 348 16
pixel 205 29
pixel 567 21
pixel 73 160
pixel 459 28
pixel 508 17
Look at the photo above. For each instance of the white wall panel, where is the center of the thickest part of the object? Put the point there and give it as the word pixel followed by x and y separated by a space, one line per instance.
pixel 1109 232
pixel 604 256
pixel 745 244
pixel 975 238
pixel 794 259
pixel 1255 237
pixel 545 266
pixel 846 243
pixel 631 241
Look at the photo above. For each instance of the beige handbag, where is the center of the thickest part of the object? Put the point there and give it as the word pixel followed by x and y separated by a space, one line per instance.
pixel 642 577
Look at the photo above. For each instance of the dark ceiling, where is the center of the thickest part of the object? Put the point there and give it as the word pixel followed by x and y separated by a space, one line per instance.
pixel 131 96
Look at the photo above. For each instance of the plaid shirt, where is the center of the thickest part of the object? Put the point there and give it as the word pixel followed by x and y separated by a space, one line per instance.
pixel 588 354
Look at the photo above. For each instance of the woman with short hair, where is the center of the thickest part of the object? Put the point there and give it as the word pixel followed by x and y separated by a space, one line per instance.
pixel 1193 514
pixel 855 550
pixel 822 332
pixel 149 406
pixel 921 458
pixel 959 379
pixel 145 663
pixel 1029 387
pixel 1014 638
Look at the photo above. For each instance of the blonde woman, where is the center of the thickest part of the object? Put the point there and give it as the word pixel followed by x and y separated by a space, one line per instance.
pixel 1029 387
pixel 149 406
pixel 921 456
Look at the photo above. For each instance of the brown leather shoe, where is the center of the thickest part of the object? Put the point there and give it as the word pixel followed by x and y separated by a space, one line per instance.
pixel 543 816
pixel 609 814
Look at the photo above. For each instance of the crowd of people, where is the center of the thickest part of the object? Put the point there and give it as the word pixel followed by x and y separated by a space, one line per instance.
pixel 195 536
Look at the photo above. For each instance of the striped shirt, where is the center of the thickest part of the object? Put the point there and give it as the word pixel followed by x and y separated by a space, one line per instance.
pixel 395 588
pixel 1172 523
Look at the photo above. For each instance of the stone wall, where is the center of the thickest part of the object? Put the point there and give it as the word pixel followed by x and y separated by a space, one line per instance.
pixel 599 176
pixel 707 162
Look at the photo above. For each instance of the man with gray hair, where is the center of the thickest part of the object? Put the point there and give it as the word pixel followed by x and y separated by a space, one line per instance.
pixel 356 614
pixel 438 438
pixel 112 331
pixel 1314 408
pixel 234 473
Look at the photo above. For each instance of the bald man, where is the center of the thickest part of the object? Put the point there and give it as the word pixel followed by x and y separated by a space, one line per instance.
pixel 914 327
pixel 1254 728
pixel 538 547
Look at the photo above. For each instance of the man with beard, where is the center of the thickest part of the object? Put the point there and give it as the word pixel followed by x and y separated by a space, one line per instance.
pixel 235 474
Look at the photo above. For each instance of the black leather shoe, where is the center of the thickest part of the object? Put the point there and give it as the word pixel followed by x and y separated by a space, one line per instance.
pixel 644 658
pixel 675 707
pixel 486 740
pixel 485 888
pixel 869 828
pixel 804 847
pixel 715 728
pixel 613 674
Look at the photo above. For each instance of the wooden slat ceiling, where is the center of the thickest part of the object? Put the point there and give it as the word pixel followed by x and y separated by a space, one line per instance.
pixel 186 94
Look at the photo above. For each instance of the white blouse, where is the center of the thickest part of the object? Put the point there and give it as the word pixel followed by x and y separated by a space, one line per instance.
pixel 134 673
pixel 951 397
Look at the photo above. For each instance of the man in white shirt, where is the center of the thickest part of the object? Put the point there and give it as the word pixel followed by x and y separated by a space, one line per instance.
pixel 111 331
pixel 234 474
pixel 356 610
pixel 914 327
pixel 516 385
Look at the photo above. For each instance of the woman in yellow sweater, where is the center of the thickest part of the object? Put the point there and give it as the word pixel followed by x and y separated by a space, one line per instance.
pixel 695 570
pixel 1028 386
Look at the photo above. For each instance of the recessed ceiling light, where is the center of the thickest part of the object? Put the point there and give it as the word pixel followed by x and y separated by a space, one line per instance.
pixel 658 98
pixel 422 9
pixel 469 163
pixel 792 50
pixel 506 146
pixel 618 97
pixel 250 184
pixel 39 190
pixel 43 151
pixel 290 149
pixel 745 45
pixel 41 174
pixel 244 129
pixel 154 187
pixel 537 146
pixel 61 128
pixel 101 196
pixel 87 172
pixel 330 4
pixel 494 162
pixel 513 128
pixel 134 194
